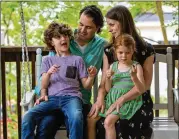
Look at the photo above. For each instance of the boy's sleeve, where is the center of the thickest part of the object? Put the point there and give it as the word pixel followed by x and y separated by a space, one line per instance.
pixel 45 66
pixel 82 71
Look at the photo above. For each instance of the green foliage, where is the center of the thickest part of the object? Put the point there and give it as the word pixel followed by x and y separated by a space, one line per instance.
pixel 138 8
pixel 175 14
pixel 12 126
pixel 38 15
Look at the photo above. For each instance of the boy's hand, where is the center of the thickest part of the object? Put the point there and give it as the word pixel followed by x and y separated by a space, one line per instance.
pixel 92 71
pixel 109 73
pixel 42 98
pixel 53 69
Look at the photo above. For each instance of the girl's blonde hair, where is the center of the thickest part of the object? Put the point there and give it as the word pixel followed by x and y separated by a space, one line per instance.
pixel 125 40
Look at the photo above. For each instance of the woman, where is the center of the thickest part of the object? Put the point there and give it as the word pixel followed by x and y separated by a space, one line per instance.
pixel 119 21
pixel 121 77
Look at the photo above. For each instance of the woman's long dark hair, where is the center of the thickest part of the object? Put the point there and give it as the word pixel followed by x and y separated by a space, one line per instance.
pixel 123 16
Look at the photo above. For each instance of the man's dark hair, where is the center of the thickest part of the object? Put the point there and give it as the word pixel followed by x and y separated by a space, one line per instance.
pixel 95 13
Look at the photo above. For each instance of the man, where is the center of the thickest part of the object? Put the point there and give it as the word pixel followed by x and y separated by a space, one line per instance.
pixel 91 48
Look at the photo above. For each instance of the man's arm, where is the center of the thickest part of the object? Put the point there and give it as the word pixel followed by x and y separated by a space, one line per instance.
pixel 99 104
pixel 88 82
pixel 101 89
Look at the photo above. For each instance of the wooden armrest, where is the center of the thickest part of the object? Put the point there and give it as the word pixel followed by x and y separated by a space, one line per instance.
pixel 27 99
pixel 176 94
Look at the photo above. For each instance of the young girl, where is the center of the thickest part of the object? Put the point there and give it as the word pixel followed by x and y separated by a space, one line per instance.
pixel 122 76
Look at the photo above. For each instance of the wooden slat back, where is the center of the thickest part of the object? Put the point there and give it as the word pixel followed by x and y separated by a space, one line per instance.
pixel 169 72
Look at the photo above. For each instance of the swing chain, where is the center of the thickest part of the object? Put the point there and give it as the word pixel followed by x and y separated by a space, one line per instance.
pixel 24 49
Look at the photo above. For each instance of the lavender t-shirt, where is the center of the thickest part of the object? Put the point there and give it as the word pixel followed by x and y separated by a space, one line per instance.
pixel 66 81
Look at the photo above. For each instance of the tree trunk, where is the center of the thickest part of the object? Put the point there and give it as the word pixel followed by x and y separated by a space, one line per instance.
pixel 161 18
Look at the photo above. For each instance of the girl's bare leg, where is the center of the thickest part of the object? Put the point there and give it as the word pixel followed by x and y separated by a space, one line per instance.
pixel 109 125
pixel 92 127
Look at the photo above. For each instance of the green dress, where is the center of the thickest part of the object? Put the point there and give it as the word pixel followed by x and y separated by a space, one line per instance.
pixel 121 84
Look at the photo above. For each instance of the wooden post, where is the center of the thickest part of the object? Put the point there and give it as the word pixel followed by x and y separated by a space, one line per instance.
pixel 18 74
pixel 0 95
pixel 4 108
pixel 156 85
pixel 2 43
pixel 38 63
pixel 170 79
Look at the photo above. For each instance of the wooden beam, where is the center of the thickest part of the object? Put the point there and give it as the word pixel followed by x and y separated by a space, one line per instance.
pixel 4 108
pixel 18 74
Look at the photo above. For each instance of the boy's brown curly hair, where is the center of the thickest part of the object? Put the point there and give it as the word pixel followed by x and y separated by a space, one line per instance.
pixel 55 30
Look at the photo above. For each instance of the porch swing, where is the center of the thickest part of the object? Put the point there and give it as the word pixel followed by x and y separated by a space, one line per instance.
pixel 27 96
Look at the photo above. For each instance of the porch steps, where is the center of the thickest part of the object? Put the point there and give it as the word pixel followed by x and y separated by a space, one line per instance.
pixel 165 128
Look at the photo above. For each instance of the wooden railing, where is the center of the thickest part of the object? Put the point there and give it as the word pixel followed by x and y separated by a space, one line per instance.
pixel 14 54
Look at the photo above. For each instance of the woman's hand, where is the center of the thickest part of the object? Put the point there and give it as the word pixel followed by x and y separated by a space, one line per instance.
pixel 133 72
pixel 109 73
pixel 99 105
pixel 116 105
